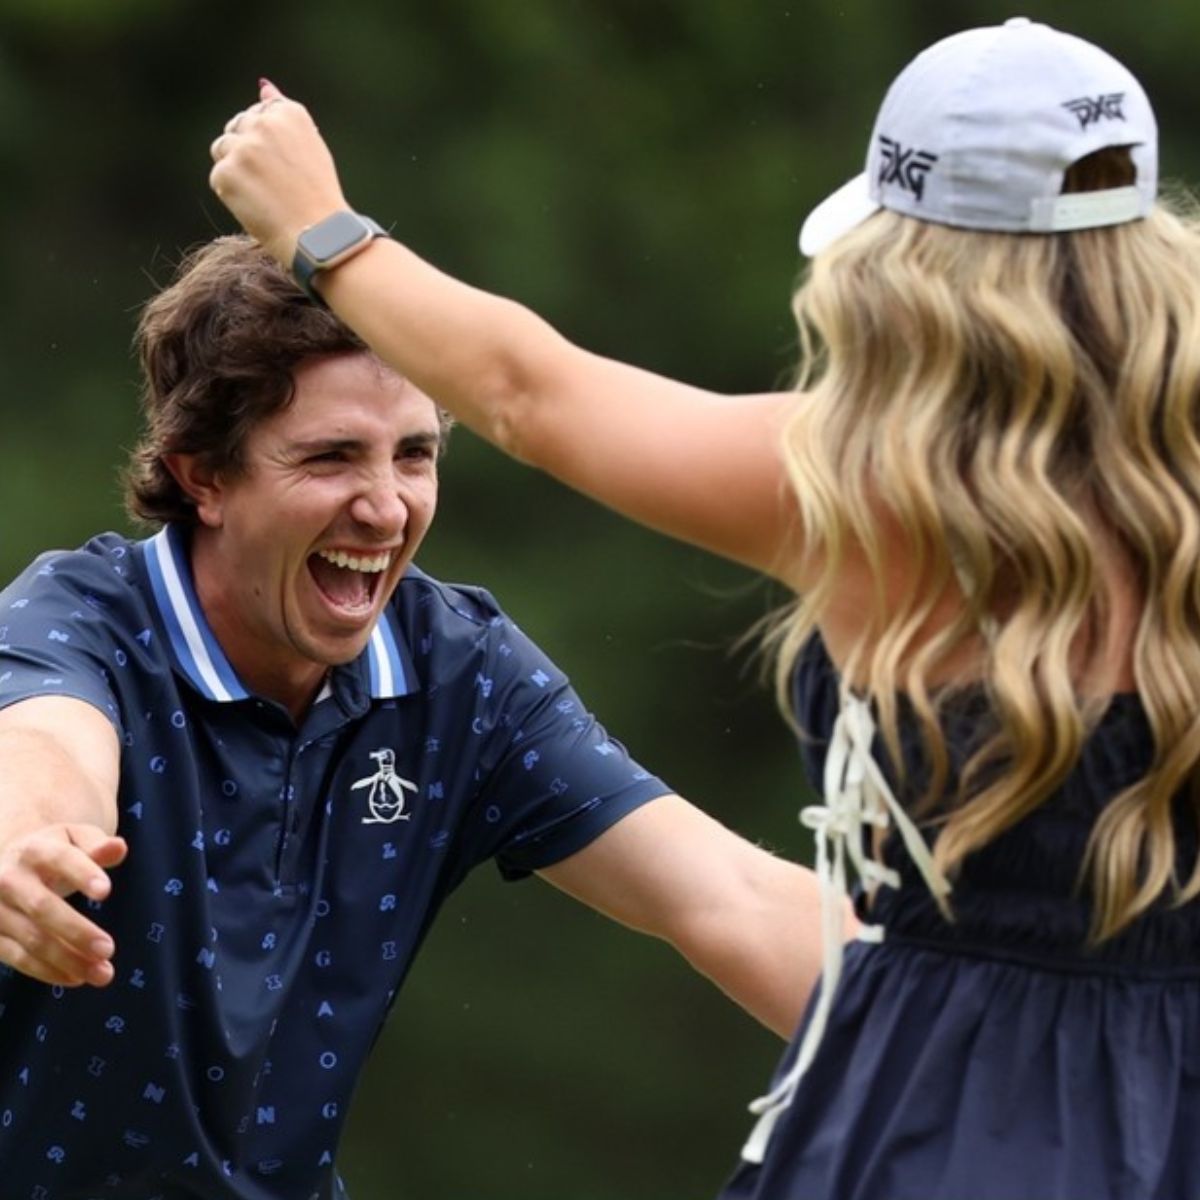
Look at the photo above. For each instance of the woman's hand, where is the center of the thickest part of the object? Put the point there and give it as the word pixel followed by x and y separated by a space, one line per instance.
pixel 273 171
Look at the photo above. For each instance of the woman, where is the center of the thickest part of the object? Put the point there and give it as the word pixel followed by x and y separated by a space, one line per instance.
pixel 985 492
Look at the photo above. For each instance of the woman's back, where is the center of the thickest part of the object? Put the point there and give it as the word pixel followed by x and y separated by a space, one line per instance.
pixel 1023 895
pixel 999 1056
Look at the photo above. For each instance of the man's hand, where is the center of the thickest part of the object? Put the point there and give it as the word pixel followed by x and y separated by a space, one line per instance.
pixel 273 171
pixel 58 821
pixel 42 935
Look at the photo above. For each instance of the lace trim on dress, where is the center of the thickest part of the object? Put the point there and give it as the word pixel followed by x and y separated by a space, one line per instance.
pixel 856 795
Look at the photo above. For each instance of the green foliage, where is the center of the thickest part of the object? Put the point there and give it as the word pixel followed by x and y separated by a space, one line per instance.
pixel 81 17
pixel 636 170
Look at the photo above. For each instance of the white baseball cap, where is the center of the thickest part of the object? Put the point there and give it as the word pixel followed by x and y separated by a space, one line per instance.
pixel 978 130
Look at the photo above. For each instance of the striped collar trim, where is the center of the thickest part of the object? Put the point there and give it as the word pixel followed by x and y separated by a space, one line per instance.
pixel 391 673
pixel 196 650
pixel 199 655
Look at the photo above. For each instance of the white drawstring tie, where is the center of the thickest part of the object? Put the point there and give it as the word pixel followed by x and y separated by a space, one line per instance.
pixel 857 794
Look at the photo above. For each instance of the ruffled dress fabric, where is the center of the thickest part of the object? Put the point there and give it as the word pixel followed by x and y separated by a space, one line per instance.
pixel 998 1057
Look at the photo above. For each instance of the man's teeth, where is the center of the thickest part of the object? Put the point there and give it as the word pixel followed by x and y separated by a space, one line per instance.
pixel 371 564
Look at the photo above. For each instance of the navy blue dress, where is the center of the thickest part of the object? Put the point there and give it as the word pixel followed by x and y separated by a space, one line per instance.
pixel 998 1057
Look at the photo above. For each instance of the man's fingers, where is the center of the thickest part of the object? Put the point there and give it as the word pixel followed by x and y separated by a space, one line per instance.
pixel 31 900
pixel 41 933
pixel 268 91
pixel 105 850
pixel 31 950
pixel 66 866
pixel 16 955
pixel 54 918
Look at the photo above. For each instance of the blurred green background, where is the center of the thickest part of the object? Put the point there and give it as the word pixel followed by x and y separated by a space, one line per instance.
pixel 636 170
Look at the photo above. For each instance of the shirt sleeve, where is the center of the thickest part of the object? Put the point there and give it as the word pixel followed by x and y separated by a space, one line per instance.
pixel 62 624
pixel 552 779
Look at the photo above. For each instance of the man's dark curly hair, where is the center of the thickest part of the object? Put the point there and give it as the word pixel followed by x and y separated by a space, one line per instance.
pixel 218 348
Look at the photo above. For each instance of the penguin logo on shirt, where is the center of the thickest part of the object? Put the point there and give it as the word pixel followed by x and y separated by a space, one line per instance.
pixel 385 800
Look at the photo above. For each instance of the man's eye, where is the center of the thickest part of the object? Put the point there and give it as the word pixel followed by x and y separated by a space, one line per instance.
pixel 330 456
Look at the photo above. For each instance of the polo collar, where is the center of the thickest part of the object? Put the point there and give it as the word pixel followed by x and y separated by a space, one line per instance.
pixel 199 656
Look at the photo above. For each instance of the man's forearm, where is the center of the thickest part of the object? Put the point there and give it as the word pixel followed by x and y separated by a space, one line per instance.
pixel 747 920
pixel 762 946
pixel 42 784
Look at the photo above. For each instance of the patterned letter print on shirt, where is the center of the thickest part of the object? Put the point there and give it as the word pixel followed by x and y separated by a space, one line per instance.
pixel 385 800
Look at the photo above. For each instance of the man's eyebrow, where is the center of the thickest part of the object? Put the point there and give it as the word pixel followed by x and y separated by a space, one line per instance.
pixel 324 446
pixel 333 445
pixel 427 437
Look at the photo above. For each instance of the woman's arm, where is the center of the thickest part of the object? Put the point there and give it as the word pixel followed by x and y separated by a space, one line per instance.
pixel 697 465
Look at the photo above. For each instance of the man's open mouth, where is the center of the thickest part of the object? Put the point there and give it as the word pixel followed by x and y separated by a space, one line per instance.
pixel 349 581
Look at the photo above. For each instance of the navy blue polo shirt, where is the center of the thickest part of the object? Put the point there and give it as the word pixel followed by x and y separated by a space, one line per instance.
pixel 279 879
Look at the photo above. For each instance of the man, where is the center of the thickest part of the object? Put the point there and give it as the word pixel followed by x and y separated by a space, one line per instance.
pixel 295 744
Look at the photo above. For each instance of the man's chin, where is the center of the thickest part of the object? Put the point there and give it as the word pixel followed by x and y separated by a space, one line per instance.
pixel 338 652
pixel 329 648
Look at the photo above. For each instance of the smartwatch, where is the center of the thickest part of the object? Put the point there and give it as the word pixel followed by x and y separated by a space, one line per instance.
pixel 330 242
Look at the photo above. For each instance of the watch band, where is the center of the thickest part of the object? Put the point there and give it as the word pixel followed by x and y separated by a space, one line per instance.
pixel 329 243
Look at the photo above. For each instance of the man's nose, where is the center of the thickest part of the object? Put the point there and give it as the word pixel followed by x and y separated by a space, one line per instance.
pixel 380 506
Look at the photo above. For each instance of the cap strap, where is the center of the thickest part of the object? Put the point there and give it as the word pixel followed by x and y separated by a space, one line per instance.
pixel 1085 210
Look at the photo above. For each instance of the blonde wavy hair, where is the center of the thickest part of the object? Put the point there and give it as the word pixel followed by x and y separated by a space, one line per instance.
pixel 1017 407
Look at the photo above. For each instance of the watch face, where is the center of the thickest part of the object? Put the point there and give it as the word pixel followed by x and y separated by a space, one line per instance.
pixel 332 236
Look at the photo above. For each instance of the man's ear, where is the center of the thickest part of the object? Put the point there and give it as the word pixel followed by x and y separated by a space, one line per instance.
pixel 201 484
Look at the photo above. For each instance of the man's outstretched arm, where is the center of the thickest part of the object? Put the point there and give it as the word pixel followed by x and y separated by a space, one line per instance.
pixel 59 766
pixel 747 920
